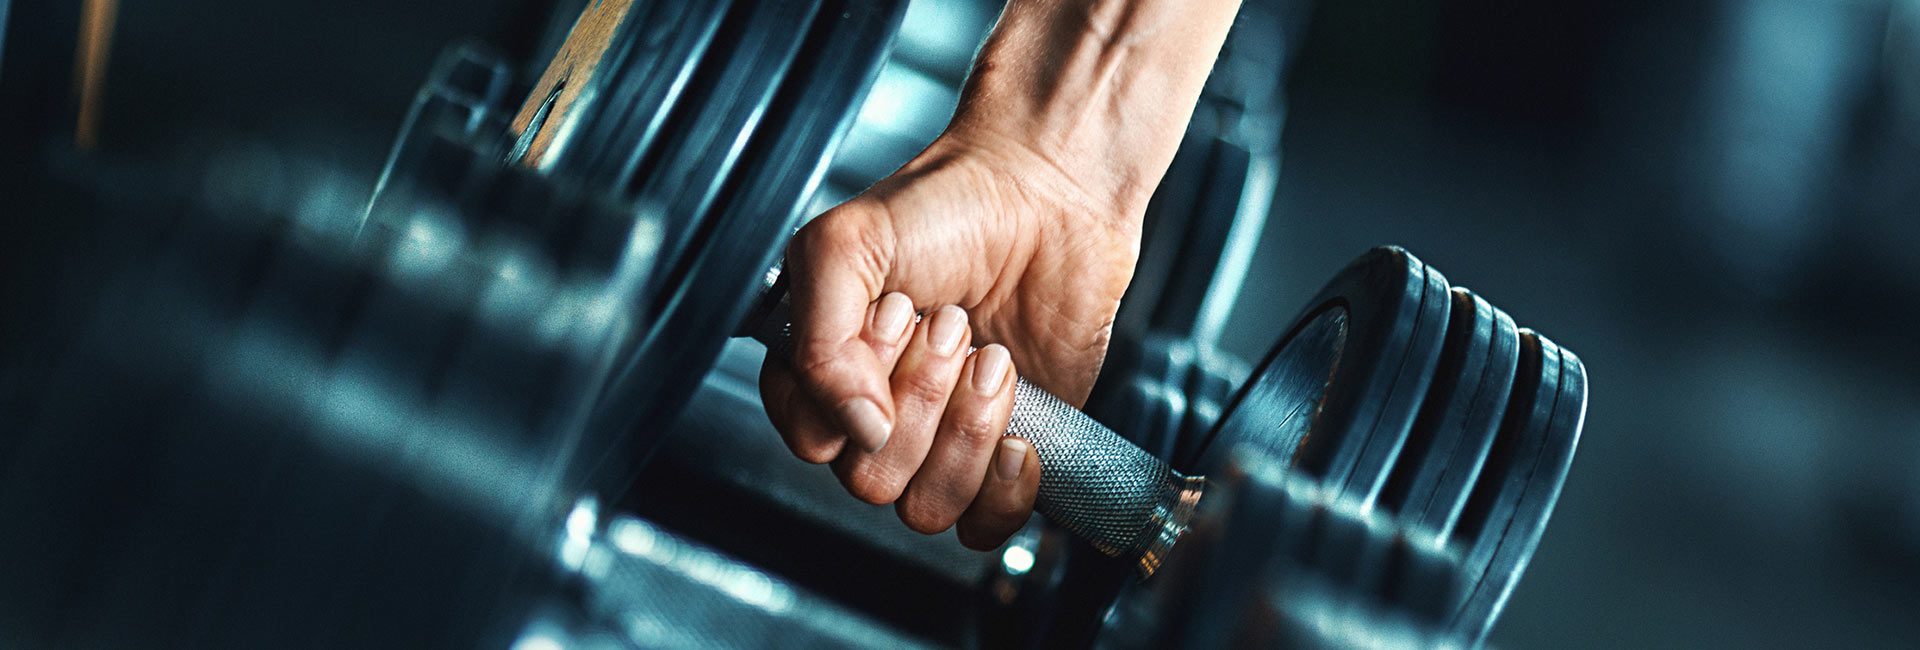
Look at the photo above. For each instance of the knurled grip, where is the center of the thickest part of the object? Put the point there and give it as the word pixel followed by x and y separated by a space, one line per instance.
pixel 1126 502
pixel 1105 489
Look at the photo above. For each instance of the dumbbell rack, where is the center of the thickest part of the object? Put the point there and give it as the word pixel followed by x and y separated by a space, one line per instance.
pixel 435 424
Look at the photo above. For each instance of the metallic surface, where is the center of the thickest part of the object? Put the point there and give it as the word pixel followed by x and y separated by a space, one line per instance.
pixel 1396 310
pixel 724 449
pixel 1526 471
pixel 1278 560
pixel 1126 502
pixel 1286 394
pixel 1459 418
pixel 257 435
pixel 660 590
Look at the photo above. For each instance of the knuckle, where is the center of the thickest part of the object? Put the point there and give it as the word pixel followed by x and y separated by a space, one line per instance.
pixel 871 483
pixel 972 424
pixel 922 516
pixel 914 430
pixel 927 382
pixel 819 237
pixel 832 237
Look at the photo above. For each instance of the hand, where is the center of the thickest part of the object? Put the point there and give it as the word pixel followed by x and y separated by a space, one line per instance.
pixel 999 250
pixel 1016 231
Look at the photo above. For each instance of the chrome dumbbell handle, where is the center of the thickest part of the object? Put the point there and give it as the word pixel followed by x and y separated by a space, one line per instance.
pixel 1103 488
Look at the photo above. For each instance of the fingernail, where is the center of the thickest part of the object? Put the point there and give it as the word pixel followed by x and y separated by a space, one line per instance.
pixel 1012 457
pixel 944 333
pixel 869 427
pixel 892 316
pixel 990 369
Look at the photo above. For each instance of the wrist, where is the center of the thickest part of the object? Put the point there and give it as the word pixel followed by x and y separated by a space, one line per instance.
pixel 1098 92
pixel 1041 172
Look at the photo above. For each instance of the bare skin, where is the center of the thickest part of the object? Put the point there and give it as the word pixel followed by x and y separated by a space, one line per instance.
pixel 1016 231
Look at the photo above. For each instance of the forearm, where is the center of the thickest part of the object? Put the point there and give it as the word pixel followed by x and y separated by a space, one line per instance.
pixel 1100 89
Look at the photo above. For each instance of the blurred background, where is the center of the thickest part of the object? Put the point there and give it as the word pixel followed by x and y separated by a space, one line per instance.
pixel 1715 202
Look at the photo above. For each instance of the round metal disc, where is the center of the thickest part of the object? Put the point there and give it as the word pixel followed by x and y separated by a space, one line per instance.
pixel 1507 512
pixel 1457 423
pixel 655 68
pixel 744 227
pixel 727 102
pixel 602 101
pixel 1339 393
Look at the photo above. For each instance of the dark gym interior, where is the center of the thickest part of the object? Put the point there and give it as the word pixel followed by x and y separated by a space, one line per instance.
pixel 1714 202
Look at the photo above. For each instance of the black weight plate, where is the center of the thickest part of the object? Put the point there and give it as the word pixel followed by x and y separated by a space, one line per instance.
pixel 591 107
pixel 1206 240
pixel 1525 471
pixel 732 92
pixel 1461 415
pixel 1142 390
pixel 1262 524
pixel 1213 379
pixel 710 124
pixel 1341 390
pixel 722 268
pixel 655 64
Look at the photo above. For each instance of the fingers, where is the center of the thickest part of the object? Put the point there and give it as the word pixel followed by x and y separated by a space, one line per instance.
pixel 956 465
pixel 930 438
pixel 812 433
pixel 837 265
pixel 921 384
pixel 1006 499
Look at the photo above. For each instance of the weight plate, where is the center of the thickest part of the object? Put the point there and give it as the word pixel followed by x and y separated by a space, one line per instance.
pixel 1212 381
pixel 1270 556
pixel 732 92
pixel 1507 512
pixel 255 369
pixel 648 89
pixel 605 92
pixel 722 264
pixel 1341 390
pixel 1458 421
pixel 693 115
pixel 1142 391
pixel 1206 242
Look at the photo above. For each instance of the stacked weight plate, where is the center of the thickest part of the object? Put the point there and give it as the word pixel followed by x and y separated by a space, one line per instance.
pixel 260 435
pixel 1432 436
pixel 709 121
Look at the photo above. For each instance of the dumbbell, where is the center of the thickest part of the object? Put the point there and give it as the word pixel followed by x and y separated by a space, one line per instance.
pixel 1384 322
pixel 1483 450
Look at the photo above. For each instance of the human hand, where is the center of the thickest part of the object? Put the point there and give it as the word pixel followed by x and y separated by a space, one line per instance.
pixel 1016 231
pixel 998 250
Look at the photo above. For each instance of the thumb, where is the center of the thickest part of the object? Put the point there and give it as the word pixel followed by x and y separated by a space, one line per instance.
pixel 838 265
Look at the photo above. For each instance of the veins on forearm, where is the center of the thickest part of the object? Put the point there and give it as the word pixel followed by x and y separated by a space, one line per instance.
pixel 1100 89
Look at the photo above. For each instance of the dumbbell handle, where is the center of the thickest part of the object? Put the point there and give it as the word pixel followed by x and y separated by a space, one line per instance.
pixel 1105 489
